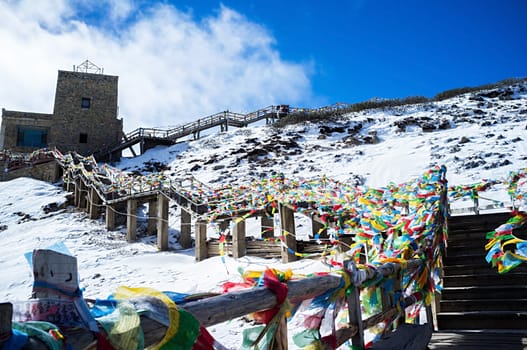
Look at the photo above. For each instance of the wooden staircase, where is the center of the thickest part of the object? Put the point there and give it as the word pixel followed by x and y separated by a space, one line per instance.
pixel 475 296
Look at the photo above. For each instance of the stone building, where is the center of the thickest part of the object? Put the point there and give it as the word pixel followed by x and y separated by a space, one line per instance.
pixel 84 118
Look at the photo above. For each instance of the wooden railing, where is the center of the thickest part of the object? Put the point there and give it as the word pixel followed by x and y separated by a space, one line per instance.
pixel 345 286
pixel 221 118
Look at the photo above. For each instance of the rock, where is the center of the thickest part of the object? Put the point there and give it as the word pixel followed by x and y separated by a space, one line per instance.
pixel 463 140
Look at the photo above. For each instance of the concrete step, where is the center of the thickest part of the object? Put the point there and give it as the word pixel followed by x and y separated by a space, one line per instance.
pixel 484 292
pixel 483 305
pixel 482 320
pixel 508 279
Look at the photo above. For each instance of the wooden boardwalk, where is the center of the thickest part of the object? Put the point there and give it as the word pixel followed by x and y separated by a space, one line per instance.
pixel 478 340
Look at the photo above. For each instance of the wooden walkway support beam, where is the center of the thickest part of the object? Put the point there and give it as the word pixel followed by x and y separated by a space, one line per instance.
pixel 82 195
pixel 131 220
pixel 267 223
pixel 152 216
pixel 318 228
pixel 200 251
pixel 185 230
pixel 238 238
pixel 110 217
pixel 94 203
pixel 76 198
pixel 287 221
pixel 162 222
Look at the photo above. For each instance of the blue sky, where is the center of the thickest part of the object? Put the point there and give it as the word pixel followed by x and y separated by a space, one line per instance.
pixel 384 48
pixel 181 60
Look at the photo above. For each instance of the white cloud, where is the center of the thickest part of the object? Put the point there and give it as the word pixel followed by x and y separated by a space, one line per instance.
pixel 171 67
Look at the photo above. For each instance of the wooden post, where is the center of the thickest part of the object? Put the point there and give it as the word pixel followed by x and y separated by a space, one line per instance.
pixel 287 222
pixel 434 310
pixel 201 252
pixel 354 308
pixel 224 225
pixel 185 239
pixel 110 217
pixel 94 204
pixel 386 305
pixel 131 220
pixel 238 238
pixel 475 198
pixel 398 288
pixel 152 217
pixel 162 222
pixel 76 199
pixel 82 195
pixel 70 183
pixel 6 317
pixel 317 227
pixel 280 340
pixel 267 223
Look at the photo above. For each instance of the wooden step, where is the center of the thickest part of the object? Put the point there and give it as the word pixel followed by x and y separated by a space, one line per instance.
pixel 482 320
pixel 470 249
pixel 484 304
pixel 478 340
pixel 484 292
pixel 485 222
pixel 508 279
pixel 455 270
pixel 465 259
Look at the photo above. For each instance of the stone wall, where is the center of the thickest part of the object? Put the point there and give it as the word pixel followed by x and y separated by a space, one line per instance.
pixel 49 172
pixel 98 123
pixel 11 120
pixel 84 128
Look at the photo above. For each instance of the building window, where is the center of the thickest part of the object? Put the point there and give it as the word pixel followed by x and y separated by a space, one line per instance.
pixel 83 138
pixel 29 137
pixel 85 102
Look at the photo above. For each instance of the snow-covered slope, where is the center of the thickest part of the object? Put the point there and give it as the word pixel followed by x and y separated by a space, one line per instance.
pixel 476 136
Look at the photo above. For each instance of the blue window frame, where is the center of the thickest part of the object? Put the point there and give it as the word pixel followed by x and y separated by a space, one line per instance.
pixel 32 137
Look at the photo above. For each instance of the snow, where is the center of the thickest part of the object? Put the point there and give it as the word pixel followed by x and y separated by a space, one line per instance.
pixel 106 261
